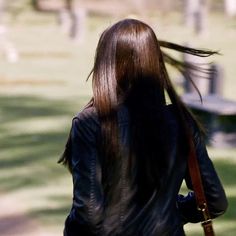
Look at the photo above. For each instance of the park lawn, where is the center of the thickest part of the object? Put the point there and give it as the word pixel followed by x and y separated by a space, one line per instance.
pixel 41 93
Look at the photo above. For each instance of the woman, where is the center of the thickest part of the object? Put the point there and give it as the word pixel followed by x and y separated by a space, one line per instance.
pixel 127 150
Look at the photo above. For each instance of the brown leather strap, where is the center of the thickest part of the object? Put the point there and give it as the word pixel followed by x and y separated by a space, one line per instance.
pixel 199 191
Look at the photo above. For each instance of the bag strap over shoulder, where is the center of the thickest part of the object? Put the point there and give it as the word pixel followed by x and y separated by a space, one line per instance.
pixel 199 191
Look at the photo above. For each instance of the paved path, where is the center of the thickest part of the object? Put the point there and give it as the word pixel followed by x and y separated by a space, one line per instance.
pixel 14 220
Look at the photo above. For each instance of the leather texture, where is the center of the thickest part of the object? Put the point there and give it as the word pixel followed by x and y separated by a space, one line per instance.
pixel 163 213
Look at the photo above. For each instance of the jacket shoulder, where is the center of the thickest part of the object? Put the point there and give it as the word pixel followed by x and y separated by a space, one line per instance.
pixel 86 123
pixel 88 116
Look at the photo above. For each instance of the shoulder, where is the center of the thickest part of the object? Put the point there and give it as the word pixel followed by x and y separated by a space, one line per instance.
pixel 85 123
pixel 88 116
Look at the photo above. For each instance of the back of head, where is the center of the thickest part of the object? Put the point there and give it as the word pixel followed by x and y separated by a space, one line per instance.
pixel 129 69
pixel 128 59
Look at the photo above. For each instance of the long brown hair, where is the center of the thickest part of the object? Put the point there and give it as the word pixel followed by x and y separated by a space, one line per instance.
pixel 130 70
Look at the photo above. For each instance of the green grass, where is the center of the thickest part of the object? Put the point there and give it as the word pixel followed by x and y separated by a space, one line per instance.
pixel 41 93
pixel 224 225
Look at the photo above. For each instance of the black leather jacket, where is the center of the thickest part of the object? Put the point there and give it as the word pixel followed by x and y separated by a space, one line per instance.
pixel 164 214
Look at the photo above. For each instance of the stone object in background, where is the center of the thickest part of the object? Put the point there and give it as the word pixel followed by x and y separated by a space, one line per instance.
pixel 217 114
pixel 198 77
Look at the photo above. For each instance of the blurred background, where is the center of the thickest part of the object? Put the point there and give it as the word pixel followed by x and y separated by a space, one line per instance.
pixel 46 53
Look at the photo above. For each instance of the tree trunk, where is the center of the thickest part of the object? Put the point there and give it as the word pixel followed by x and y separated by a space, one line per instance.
pixel 72 18
pixel 195 15
pixel 78 24
pixel 201 17
pixel 190 9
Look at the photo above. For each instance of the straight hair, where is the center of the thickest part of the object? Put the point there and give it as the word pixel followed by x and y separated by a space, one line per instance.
pixel 130 69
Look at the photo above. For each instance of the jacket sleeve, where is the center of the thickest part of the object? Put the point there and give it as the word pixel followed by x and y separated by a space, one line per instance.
pixel 85 217
pixel 214 192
